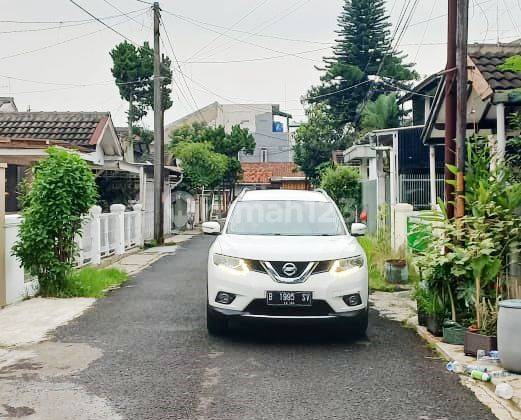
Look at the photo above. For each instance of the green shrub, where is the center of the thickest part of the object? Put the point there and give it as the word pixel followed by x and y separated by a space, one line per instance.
pixel 92 282
pixel 342 183
pixel 61 194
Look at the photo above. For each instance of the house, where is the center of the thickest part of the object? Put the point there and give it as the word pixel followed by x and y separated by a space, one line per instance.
pixel 272 175
pixel 24 136
pixel 7 104
pixel 394 163
pixel 492 96
pixel 268 124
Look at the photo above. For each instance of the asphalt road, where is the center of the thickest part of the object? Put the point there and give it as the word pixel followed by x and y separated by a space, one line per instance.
pixel 158 361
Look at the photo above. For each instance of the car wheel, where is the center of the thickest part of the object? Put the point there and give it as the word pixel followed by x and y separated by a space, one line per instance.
pixel 216 324
pixel 359 326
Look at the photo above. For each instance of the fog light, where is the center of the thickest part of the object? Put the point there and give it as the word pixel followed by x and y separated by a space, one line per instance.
pixel 224 298
pixel 353 300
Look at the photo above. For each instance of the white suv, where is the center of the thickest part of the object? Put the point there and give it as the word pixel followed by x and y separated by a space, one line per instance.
pixel 286 256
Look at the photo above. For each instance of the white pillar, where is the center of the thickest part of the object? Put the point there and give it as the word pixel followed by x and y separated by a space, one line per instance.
pixel 501 133
pixel 119 227
pixel 95 233
pixel 432 174
pixel 373 169
pixel 427 109
pixel 140 239
pixel 399 238
pixel 142 186
pixel 392 178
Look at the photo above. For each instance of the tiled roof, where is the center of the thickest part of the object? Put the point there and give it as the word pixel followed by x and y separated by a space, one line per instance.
pixel 76 128
pixel 487 58
pixel 262 173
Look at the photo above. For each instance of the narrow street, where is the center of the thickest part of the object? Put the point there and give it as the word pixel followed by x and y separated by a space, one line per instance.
pixel 158 362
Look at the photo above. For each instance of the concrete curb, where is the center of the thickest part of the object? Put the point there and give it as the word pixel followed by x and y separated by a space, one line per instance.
pixel 502 409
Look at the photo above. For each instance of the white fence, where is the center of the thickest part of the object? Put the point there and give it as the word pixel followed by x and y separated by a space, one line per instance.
pixel 105 234
pixel 415 190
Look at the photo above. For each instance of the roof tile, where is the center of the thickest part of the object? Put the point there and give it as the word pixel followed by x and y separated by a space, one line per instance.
pixel 76 128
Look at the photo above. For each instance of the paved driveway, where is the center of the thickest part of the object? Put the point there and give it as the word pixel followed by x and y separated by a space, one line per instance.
pixel 158 362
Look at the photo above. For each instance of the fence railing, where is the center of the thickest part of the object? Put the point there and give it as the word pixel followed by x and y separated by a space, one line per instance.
pixel 105 234
pixel 415 190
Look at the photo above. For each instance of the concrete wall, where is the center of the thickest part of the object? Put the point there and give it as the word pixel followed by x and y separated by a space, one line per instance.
pixel 17 288
pixel 277 145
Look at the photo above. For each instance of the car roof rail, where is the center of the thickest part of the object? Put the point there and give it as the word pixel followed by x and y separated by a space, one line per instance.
pixel 323 192
pixel 241 194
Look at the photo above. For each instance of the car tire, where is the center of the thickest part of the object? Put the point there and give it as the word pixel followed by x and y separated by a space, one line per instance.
pixel 216 324
pixel 359 326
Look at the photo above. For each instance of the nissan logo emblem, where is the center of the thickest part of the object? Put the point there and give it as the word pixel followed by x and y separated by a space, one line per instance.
pixel 289 269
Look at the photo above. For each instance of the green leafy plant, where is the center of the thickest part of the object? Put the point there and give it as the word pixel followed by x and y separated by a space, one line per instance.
pixel 315 141
pixel 342 183
pixel 202 167
pixel 92 282
pixel 238 140
pixel 61 194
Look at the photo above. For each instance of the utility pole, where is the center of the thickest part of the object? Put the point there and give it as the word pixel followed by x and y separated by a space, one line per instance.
pixel 461 132
pixel 450 106
pixel 158 135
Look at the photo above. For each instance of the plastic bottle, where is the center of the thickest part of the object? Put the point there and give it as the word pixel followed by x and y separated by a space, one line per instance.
pixel 470 368
pixel 455 367
pixel 505 391
pixel 481 376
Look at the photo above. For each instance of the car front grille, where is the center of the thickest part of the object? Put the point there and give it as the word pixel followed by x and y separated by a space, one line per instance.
pixel 257 266
pixel 318 308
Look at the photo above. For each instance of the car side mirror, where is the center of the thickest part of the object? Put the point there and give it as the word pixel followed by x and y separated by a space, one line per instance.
pixel 211 228
pixel 358 229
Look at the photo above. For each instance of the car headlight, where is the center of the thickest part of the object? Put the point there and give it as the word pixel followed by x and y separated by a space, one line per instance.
pixel 237 265
pixel 345 265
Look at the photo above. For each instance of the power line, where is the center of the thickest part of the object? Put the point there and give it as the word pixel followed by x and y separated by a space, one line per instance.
pixel 251 11
pixel 58 43
pixel 270 22
pixel 50 22
pixel 182 74
pixel 123 12
pixel 248 60
pixel 242 40
pixel 434 4
pixel 103 23
pixel 251 33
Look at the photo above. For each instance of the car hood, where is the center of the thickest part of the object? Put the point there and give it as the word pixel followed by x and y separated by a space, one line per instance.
pixel 288 248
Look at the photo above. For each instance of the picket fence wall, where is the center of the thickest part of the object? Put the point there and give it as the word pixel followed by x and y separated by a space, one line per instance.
pixel 103 235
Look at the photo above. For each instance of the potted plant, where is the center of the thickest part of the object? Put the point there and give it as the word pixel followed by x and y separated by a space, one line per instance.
pixel 453 333
pixel 482 336
pixel 420 295
pixel 436 312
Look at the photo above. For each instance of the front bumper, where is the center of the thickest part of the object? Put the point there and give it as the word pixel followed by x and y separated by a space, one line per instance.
pixel 230 313
pixel 327 288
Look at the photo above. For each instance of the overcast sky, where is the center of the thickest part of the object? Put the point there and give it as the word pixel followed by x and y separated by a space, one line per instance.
pixel 293 34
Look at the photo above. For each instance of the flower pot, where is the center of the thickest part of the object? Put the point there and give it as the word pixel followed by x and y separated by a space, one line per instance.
pixel 454 333
pixel 422 318
pixel 509 334
pixel 435 325
pixel 396 271
pixel 475 341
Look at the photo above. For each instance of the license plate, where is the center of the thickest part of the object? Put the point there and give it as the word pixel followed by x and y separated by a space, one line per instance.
pixel 289 298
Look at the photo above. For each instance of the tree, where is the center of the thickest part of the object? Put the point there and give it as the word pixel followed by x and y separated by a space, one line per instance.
pixel 133 68
pixel 229 145
pixel 61 194
pixel 202 166
pixel 133 71
pixel 382 113
pixel 315 141
pixel 363 48
pixel 342 183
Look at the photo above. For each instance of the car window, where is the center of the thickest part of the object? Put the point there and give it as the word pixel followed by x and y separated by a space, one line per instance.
pixel 285 217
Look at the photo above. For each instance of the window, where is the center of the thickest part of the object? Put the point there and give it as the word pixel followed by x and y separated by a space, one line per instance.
pixel 288 218
pixel 264 154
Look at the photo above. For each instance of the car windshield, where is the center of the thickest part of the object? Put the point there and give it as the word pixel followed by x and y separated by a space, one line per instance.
pixel 285 218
